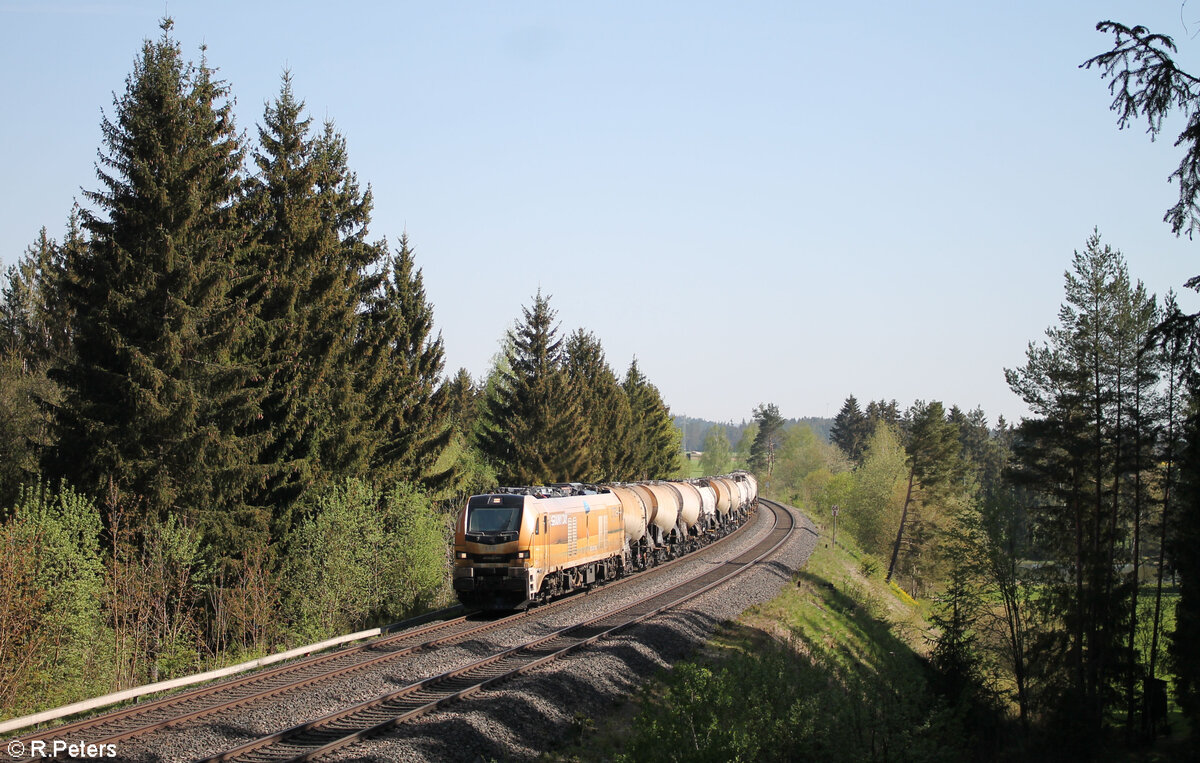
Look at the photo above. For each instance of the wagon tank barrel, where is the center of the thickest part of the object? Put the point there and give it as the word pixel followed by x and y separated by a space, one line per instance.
pixel 518 546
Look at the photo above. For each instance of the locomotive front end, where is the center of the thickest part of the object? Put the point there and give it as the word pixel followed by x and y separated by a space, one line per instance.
pixel 492 550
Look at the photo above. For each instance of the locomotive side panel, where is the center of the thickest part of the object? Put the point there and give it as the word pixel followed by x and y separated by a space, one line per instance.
pixel 497 567
pixel 582 529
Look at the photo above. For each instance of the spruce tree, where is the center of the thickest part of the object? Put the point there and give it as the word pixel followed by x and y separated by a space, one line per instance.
pixel 154 396
pixel 881 411
pixel 851 429
pixel 354 275
pixel 462 401
pixel 604 405
pixel 311 257
pixel 33 338
pixel 25 312
pixel 404 359
pixel 655 441
pixel 532 429
pixel 281 203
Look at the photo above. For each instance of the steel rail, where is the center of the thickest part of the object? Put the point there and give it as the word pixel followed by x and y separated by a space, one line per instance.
pixel 314 739
pixel 142 709
pixel 263 685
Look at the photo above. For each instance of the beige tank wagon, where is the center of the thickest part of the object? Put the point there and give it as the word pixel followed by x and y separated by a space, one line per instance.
pixel 524 545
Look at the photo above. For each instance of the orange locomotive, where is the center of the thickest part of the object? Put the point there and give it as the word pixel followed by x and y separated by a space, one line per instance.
pixel 523 545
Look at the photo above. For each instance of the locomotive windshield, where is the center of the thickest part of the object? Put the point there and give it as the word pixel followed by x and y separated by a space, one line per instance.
pixel 494 513
pixel 493 520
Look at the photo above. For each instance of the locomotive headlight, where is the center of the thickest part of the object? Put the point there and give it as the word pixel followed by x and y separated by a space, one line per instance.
pixel 461 554
pixel 523 554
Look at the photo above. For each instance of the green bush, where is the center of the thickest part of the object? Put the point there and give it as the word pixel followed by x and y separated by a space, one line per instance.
pixel 362 554
pixel 416 564
pixel 332 557
pixel 56 646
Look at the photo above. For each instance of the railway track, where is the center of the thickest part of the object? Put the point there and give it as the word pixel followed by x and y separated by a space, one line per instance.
pixel 146 718
pixel 315 739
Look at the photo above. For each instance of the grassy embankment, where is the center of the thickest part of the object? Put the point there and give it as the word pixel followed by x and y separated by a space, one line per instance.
pixel 832 668
pixel 833 664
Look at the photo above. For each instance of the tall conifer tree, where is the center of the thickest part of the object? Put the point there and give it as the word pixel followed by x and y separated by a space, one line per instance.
pixel 604 405
pixel 656 441
pixel 154 395
pixel 316 273
pixel 310 254
pixel 341 289
pixel 1076 454
pixel 403 362
pixel 462 400
pixel 532 428
pixel 851 429
pixel 283 206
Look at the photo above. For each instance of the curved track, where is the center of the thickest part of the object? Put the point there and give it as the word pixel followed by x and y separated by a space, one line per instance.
pixel 146 718
pixel 317 738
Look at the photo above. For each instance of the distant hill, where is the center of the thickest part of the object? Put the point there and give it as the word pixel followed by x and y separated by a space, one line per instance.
pixel 695 430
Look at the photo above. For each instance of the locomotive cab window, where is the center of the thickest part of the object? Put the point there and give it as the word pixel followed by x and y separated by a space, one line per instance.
pixel 494 514
pixel 489 520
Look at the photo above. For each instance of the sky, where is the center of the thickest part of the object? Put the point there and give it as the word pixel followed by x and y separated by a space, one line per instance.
pixel 763 202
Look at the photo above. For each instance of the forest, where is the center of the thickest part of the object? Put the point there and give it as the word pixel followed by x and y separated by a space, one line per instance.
pixel 1054 553
pixel 216 387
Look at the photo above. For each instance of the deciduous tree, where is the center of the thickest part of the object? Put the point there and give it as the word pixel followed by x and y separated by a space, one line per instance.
pixel 717 451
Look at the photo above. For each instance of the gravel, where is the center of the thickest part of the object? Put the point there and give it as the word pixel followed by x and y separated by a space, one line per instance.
pixel 536 713
pixel 528 715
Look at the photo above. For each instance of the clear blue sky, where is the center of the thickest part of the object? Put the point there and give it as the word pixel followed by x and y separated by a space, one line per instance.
pixel 765 201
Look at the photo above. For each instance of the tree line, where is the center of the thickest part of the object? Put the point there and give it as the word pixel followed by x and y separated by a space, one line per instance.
pixel 1058 553
pixel 697 431
pixel 217 387
pixel 1062 554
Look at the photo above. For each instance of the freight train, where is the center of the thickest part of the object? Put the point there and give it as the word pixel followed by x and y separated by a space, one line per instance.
pixel 520 546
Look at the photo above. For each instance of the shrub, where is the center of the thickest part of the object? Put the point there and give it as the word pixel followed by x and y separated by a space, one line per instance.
pixel 416 564
pixel 55 646
pixel 372 554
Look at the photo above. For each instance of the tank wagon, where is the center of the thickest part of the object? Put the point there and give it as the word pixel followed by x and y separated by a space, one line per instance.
pixel 520 546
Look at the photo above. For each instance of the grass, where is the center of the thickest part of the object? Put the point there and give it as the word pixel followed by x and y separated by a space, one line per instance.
pixel 838 612
pixel 840 619
pixel 691 469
